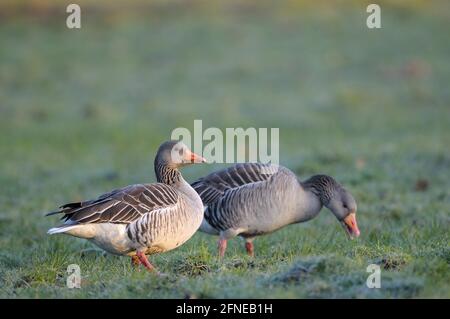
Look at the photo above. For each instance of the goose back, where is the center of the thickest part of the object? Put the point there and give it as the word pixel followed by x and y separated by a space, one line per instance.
pixel 249 198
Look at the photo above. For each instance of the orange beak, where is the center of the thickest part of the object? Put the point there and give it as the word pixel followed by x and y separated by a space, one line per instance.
pixel 194 158
pixel 350 225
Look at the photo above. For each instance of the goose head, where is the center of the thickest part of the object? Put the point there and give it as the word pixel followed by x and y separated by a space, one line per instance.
pixel 343 206
pixel 338 200
pixel 175 154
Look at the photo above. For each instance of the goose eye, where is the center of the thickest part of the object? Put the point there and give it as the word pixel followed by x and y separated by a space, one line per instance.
pixel 345 205
pixel 180 152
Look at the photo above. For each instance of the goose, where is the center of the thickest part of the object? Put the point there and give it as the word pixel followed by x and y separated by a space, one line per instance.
pixel 253 199
pixel 141 219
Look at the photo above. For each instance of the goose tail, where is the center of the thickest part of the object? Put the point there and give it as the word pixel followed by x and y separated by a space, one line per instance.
pixel 60 229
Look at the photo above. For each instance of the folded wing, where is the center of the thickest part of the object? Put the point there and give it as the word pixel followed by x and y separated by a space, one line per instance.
pixel 214 186
pixel 123 205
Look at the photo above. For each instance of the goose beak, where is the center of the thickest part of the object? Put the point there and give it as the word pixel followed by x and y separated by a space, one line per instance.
pixel 194 158
pixel 350 226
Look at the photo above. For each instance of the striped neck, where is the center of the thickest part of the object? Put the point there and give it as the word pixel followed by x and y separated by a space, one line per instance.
pixel 167 175
pixel 323 186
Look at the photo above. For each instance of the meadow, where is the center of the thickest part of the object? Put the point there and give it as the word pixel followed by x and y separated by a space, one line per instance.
pixel 83 112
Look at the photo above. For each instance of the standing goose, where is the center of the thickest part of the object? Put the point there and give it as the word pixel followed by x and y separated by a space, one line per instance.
pixel 141 219
pixel 253 199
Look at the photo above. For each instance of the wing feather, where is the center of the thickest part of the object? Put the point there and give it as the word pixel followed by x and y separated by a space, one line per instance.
pixel 215 185
pixel 123 205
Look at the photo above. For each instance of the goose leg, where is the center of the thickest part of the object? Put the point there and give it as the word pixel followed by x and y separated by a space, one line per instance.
pixel 250 248
pixel 222 246
pixel 143 259
pixel 224 236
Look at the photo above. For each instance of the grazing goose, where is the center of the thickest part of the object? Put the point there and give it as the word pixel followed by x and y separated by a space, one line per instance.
pixel 141 219
pixel 254 199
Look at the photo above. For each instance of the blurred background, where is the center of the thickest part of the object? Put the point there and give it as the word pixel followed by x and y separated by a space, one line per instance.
pixel 83 111
pixel 103 97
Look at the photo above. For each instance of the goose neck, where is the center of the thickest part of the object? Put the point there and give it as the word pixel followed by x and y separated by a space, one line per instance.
pixel 308 204
pixel 313 205
pixel 167 175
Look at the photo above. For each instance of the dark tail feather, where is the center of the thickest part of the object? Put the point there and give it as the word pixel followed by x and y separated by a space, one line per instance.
pixel 54 213
pixel 64 208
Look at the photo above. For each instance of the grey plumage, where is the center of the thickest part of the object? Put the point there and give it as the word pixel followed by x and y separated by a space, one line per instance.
pixel 322 186
pixel 253 199
pixel 242 194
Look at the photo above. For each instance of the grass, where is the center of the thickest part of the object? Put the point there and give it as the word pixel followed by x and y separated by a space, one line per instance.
pixel 82 112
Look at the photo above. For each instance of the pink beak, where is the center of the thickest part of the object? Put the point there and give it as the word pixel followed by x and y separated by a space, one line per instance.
pixel 194 158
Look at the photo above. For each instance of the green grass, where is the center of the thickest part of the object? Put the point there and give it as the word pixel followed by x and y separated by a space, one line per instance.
pixel 82 112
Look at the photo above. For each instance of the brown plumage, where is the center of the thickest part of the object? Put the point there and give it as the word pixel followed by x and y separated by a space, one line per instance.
pixel 123 205
pixel 144 218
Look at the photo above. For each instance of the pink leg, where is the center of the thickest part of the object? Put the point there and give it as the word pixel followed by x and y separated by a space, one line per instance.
pixel 222 247
pixel 143 259
pixel 250 249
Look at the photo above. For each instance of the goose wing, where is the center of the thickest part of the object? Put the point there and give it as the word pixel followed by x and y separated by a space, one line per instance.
pixel 215 185
pixel 123 205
